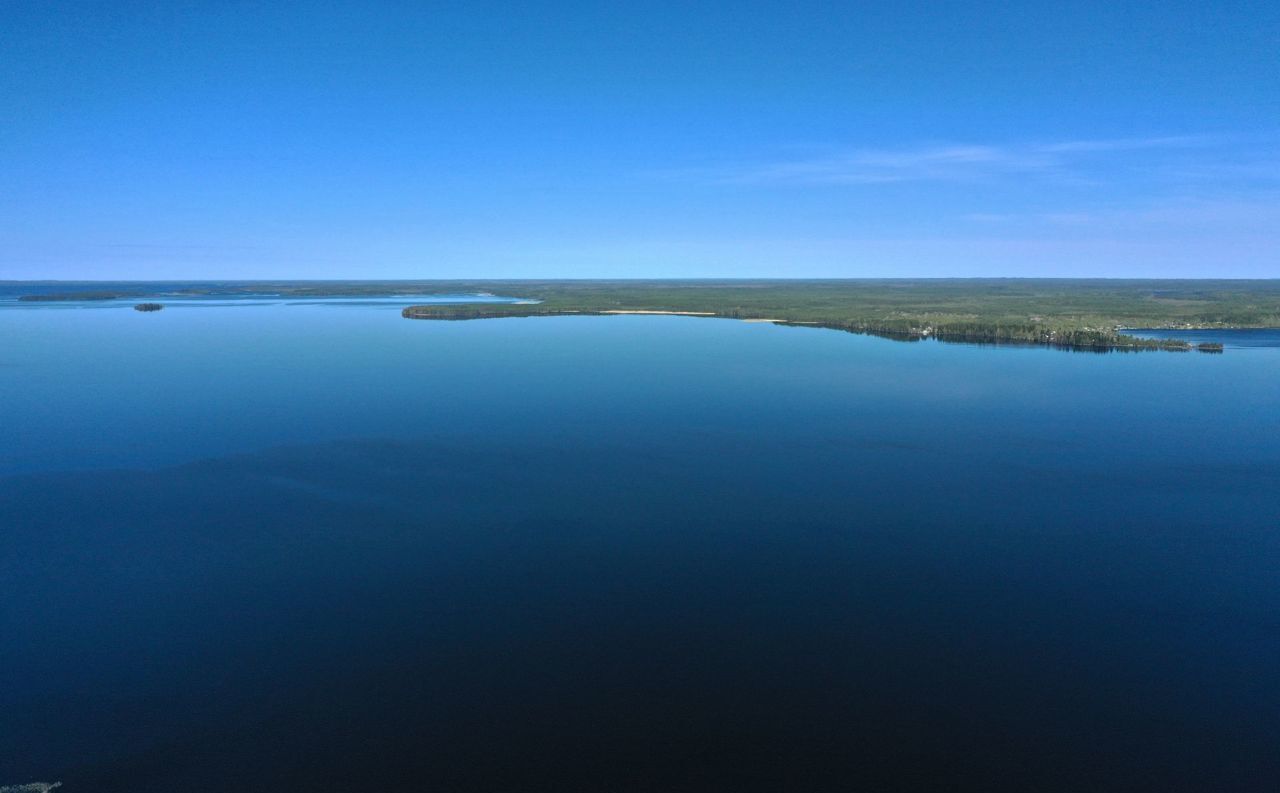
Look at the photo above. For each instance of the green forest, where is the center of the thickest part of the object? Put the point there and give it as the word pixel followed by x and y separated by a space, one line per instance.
pixel 1067 313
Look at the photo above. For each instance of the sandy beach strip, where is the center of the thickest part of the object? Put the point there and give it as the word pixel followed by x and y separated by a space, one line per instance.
pixel 676 313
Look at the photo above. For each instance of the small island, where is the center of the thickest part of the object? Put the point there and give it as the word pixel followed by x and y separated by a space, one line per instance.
pixel 146 307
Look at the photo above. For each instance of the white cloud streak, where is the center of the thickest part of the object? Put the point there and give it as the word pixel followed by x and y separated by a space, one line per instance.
pixel 1067 161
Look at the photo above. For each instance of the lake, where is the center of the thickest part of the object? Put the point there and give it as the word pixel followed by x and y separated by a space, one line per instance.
pixel 311 545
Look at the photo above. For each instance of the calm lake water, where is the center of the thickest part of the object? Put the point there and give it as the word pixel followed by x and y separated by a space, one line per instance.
pixel 316 546
pixel 1243 339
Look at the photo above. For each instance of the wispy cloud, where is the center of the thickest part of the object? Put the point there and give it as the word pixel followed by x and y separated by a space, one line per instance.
pixel 1132 144
pixel 878 166
pixel 872 166
pixel 1065 160
pixel 1170 217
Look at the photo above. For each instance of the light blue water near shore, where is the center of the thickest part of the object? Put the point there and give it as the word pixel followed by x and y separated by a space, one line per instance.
pixel 314 546
pixel 1233 338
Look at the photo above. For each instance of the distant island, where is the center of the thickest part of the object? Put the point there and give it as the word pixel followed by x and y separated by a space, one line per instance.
pixel 64 297
pixel 148 307
pixel 1076 314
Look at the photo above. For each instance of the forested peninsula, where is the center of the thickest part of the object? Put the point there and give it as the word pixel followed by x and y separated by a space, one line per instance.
pixel 1065 313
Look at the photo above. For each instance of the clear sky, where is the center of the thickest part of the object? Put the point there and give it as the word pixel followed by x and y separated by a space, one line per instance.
pixel 632 139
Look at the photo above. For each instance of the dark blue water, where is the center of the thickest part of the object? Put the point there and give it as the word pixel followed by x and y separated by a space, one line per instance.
pixel 321 547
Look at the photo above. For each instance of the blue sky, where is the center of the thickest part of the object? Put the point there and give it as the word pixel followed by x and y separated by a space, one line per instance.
pixel 472 139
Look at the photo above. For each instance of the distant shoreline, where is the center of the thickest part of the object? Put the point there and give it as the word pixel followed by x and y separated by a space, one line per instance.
pixel 1073 314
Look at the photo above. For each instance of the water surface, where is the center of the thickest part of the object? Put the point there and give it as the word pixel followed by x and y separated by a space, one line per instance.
pixel 314 547
pixel 1233 338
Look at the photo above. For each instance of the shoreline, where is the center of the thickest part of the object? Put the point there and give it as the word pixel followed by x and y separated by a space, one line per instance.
pixel 659 312
pixel 1073 314
pixel 1093 340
